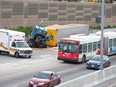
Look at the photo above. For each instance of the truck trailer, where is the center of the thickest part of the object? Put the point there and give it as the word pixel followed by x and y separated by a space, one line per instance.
pixel 63 31
pixel 13 43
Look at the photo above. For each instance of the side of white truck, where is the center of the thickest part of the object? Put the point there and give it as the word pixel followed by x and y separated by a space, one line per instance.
pixel 13 43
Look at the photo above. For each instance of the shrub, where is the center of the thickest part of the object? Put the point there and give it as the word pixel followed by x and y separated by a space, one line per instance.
pixel 25 29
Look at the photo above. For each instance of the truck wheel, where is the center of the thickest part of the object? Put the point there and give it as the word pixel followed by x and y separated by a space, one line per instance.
pixel 30 42
pixel 45 46
pixel 29 56
pixel 17 55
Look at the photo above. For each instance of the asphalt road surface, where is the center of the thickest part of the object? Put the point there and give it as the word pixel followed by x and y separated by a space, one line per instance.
pixel 17 72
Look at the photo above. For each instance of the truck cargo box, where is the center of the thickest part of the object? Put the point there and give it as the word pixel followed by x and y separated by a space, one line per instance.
pixel 62 31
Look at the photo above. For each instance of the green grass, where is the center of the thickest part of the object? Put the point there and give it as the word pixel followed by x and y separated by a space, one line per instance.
pixel 25 29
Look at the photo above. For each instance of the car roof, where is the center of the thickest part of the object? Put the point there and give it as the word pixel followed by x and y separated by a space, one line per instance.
pixel 49 72
pixel 100 55
pixel 104 56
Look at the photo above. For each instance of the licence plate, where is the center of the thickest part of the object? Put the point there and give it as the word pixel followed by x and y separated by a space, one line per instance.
pixel 34 86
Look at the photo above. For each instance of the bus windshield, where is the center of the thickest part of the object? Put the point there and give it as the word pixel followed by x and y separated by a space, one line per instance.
pixel 69 48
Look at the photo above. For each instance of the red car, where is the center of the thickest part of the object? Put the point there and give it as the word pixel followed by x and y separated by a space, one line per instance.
pixel 45 79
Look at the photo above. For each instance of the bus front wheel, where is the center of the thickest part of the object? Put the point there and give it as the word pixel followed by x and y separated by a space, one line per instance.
pixel 83 58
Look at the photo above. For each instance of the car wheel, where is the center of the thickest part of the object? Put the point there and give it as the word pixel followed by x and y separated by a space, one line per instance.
pixel 0 52
pixel 109 64
pixel 17 55
pixel 87 66
pixel 59 81
pixel 48 85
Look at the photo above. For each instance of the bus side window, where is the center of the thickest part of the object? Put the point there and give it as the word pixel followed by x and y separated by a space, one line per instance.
pixel 85 48
pixel 110 43
pixel 94 46
pixel 80 51
pixel 114 42
pixel 89 47
pixel 99 44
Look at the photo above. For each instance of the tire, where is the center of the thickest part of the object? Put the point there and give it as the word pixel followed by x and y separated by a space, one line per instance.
pixel 87 67
pixel 43 44
pixel 109 64
pixel 17 55
pixel 83 58
pixel 59 81
pixel 29 56
pixel 48 85
pixel 0 52
pixel 30 42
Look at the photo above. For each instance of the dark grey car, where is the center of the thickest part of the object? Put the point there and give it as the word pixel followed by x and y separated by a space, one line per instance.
pixel 94 62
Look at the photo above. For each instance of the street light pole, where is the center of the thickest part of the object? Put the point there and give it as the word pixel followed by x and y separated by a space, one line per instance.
pixel 102 31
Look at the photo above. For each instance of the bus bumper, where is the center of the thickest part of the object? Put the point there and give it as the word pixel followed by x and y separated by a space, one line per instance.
pixel 66 59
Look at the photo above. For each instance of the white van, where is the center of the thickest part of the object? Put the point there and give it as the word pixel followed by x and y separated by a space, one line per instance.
pixel 13 43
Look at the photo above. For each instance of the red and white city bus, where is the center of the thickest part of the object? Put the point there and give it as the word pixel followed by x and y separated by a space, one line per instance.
pixel 109 42
pixel 80 47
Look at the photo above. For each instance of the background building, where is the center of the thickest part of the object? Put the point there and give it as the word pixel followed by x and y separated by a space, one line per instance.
pixel 15 13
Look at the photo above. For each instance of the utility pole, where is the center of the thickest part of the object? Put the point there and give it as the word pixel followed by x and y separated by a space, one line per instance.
pixel 102 31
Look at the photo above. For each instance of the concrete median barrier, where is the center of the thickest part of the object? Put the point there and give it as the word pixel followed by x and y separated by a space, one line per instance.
pixel 91 79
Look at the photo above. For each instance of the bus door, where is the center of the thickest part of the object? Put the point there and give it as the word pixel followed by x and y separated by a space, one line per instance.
pixel 80 52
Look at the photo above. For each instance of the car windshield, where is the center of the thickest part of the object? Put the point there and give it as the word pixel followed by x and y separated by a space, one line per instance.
pixel 22 44
pixel 95 58
pixel 69 48
pixel 43 75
